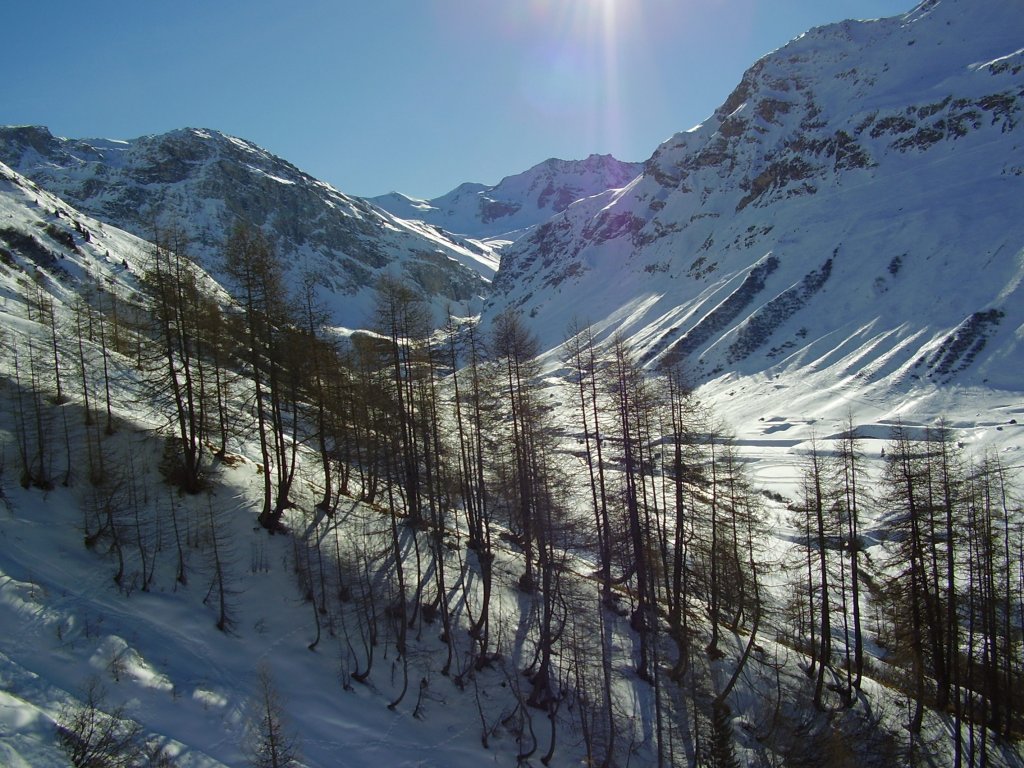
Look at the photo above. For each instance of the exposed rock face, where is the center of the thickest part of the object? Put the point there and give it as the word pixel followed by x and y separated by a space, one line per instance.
pixel 517 203
pixel 861 188
pixel 203 181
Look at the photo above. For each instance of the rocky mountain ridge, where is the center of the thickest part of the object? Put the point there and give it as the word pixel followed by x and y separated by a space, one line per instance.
pixel 856 205
pixel 517 203
pixel 203 181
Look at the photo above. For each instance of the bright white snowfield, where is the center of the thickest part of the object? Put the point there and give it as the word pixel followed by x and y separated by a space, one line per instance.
pixel 842 240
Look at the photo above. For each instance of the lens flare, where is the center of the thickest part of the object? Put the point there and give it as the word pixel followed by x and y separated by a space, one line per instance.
pixel 572 71
pixel 561 60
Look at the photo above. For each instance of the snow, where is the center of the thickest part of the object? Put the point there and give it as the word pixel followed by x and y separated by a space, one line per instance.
pixel 516 204
pixel 952 212
pixel 205 179
pixel 270 176
pixel 920 238
pixel 158 654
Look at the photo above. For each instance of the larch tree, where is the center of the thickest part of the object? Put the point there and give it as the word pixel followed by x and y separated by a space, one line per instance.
pixel 256 271
pixel 270 741
pixel 170 281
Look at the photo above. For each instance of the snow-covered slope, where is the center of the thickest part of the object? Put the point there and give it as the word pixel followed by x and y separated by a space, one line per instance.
pixel 47 245
pixel 855 208
pixel 151 641
pixel 516 203
pixel 204 181
pixel 826 241
pixel 153 649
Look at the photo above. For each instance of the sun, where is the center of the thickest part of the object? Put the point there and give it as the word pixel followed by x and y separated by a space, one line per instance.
pixel 564 60
pixel 603 25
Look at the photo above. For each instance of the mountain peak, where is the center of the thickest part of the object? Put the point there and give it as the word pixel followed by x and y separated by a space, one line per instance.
pixel 518 202
pixel 204 181
pixel 847 188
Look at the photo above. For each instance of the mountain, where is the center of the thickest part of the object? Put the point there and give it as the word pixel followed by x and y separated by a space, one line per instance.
pixel 146 650
pixel 516 203
pixel 855 208
pixel 48 248
pixel 204 181
pixel 841 243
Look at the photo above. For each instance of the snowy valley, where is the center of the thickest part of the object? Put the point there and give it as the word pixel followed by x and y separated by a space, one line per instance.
pixel 713 459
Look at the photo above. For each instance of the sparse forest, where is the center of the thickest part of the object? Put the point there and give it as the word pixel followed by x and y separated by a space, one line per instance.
pixel 667 611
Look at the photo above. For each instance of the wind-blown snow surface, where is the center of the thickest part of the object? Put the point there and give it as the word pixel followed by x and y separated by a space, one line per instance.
pixel 517 203
pixel 204 181
pixel 851 219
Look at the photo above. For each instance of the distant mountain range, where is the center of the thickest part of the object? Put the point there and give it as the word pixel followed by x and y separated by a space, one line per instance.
pixel 516 203
pixel 203 181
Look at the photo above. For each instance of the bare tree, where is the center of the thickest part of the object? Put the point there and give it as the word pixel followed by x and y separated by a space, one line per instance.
pixel 221 562
pixel 851 482
pixel 270 741
pixel 257 272
pixel 94 738
pixel 582 359
pixel 514 349
pixel 170 280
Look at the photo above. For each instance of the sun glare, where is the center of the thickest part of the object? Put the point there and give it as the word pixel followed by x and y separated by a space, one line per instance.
pixel 579 62
pixel 603 28
pixel 566 58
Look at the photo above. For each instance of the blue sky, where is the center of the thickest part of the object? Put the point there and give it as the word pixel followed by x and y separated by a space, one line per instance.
pixel 409 95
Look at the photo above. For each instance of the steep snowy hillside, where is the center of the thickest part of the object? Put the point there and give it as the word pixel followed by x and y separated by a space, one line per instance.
pixel 144 643
pixel 171 609
pixel 228 531
pixel 204 181
pixel 47 247
pixel 516 203
pixel 855 208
